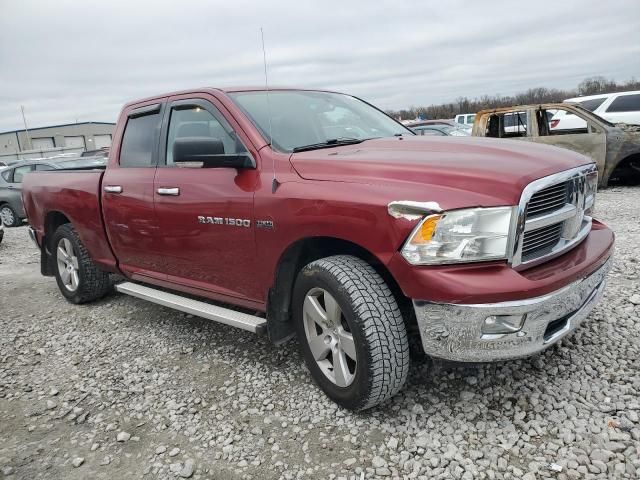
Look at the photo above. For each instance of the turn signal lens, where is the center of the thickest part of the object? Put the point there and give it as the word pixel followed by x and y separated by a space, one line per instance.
pixel 426 230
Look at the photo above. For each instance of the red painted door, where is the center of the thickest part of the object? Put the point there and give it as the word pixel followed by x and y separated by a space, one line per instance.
pixel 206 214
pixel 127 197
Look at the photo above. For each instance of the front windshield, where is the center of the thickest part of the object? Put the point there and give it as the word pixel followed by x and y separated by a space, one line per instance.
pixel 300 118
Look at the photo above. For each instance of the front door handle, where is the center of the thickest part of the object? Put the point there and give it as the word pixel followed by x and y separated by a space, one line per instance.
pixel 113 188
pixel 175 191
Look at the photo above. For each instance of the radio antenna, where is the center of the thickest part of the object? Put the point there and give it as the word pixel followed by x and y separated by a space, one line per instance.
pixel 274 183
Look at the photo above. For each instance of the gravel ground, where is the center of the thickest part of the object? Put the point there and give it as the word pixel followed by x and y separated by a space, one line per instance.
pixel 126 389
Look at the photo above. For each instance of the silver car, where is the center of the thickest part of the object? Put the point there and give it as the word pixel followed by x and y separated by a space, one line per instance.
pixel 11 208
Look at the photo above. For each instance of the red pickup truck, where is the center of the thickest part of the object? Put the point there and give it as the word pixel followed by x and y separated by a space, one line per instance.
pixel 312 213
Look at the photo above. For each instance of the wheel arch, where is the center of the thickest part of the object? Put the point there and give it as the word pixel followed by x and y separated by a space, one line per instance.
pixel 52 221
pixel 624 168
pixel 299 254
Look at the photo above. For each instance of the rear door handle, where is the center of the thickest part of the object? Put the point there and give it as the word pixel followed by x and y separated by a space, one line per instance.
pixel 175 191
pixel 113 188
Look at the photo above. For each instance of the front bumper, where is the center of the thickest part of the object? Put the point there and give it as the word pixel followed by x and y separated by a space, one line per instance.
pixel 454 331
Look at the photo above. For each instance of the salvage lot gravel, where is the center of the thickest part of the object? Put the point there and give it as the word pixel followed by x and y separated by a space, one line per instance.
pixel 125 389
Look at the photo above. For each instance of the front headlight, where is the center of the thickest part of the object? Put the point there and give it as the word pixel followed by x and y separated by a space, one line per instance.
pixel 468 235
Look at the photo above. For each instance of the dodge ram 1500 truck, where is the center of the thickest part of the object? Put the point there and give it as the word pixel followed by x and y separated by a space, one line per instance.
pixel 314 214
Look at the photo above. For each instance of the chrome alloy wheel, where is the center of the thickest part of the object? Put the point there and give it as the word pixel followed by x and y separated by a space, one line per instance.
pixel 6 216
pixel 330 341
pixel 67 265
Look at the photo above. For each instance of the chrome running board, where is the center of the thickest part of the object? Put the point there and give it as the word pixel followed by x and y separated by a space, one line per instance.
pixel 195 307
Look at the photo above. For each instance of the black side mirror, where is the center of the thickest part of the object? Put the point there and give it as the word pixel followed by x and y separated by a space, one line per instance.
pixel 209 152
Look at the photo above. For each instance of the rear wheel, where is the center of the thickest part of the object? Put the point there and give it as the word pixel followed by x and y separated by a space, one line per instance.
pixel 8 216
pixel 351 331
pixel 79 279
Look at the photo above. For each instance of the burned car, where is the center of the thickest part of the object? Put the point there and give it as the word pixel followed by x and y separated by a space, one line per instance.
pixel 615 148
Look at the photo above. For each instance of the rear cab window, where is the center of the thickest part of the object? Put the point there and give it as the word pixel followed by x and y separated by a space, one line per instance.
pixel 140 138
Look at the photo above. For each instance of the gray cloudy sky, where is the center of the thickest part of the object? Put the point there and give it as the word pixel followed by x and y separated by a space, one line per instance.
pixel 66 60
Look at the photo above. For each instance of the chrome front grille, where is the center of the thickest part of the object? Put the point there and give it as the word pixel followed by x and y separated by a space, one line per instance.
pixel 551 217
pixel 548 199
pixel 540 241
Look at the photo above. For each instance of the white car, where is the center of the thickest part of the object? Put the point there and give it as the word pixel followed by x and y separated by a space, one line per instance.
pixel 465 119
pixel 621 107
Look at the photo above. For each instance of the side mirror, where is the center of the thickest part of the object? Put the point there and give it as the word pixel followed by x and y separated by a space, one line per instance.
pixel 209 153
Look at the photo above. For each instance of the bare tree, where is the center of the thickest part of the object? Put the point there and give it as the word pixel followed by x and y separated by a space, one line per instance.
pixel 589 86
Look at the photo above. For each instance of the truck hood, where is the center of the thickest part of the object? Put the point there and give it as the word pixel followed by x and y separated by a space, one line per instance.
pixel 497 170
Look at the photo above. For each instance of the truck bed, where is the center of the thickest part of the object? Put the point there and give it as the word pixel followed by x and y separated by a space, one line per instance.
pixel 75 194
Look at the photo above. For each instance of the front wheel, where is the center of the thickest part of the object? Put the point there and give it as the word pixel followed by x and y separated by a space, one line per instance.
pixel 351 332
pixel 79 279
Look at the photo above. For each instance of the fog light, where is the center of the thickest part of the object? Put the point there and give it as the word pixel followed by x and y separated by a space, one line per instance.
pixel 503 324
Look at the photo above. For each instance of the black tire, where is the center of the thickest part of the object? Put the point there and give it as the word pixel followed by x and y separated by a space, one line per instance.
pixel 372 318
pixel 15 222
pixel 93 283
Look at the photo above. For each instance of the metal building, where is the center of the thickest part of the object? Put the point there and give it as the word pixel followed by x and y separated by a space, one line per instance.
pixel 47 141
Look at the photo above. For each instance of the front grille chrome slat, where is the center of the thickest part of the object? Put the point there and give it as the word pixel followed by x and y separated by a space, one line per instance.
pixel 548 199
pixel 550 238
pixel 545 233
pixel 551 217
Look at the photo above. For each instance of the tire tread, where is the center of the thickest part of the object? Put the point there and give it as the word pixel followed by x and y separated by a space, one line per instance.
pixel 94 282
pixel 380 318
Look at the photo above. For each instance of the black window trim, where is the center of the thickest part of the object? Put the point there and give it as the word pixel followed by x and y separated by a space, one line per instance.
pixel 141 112
pixel 186 104
pixel 146 110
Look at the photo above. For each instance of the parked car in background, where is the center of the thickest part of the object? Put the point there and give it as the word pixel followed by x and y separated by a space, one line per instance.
pixel 11 209
pixel 465 118
pixel 442 130
pixel 614 148
pixel 621 107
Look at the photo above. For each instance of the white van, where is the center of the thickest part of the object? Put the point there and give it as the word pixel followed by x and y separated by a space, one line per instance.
pixel 621 107
pixel 465 119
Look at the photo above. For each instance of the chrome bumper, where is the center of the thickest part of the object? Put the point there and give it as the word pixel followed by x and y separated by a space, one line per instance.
pixel 32 236
pixel 454 332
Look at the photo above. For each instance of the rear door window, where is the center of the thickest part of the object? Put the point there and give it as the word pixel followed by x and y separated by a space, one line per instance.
pixel 140 140
pixel 625 103
pixel 43 166
pixel 19 173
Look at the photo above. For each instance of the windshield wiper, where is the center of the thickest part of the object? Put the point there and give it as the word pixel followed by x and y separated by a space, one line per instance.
pixel 332 142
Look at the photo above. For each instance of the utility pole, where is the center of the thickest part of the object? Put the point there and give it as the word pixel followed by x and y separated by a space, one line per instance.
pixel 26 129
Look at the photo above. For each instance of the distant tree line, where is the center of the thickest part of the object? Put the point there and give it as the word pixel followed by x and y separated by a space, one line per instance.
pixel 589 86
